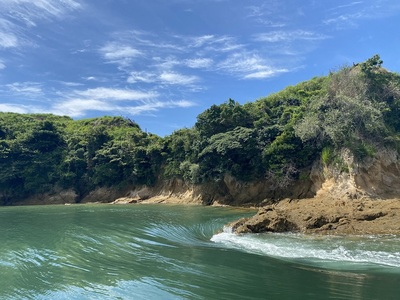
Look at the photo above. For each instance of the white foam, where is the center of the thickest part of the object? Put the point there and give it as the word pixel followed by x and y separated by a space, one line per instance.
pixel 363 251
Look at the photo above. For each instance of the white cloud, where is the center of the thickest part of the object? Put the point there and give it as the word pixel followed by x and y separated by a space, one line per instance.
pixel 78 107
pixel 8 40
pixel 213 43
pixel 357 11
pixel 29 11
pixel 116 94
pixel 155 106
pixel 8 107
pixel 29 89
pixel 346 5
pixel 112 101
pixel 116 52
pixel 344 21
pixel 166 63
pixel 2 65
pixel 271 13
pixel 7 37
pixel 201 40
pixel 199 63
pixel 71 84
pixel 289 36
pixel 265 73
pixel 90 78
pixel 249 66
pixel 17 16
pixel 146 77
pixel 176 78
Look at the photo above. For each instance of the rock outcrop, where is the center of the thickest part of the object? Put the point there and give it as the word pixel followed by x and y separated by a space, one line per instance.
pixel 362 200
pixel 325 216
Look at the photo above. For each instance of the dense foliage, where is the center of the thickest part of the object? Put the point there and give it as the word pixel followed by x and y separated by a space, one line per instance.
pixel 40 152
pixel 276 137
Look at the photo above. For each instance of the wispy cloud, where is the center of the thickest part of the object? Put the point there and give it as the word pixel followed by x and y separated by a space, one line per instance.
pixel 78 107
pixel 349 15
pixel 119 53
pixel 199 63
pixel 177 79
pixel 174 65
pixel 116 94
pixel 269 13
pixel 16 108
pixel 142 76
pixel 155 106
pixel 71 84
pixel 266 73
pixel 79 102
pixel 163 78
pixel 2 65
pixel 31 11
pixel 289 36
pixel 18 16
pixel 200 41
pixel 28 89
pixel 223 43
pixel 7 37
pixel 347 5
pixel 249 66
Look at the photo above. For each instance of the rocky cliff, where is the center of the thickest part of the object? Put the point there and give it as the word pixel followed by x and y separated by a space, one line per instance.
pixel 362 200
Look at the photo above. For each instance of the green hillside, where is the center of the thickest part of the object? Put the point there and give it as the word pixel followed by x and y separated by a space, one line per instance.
pixel 277 137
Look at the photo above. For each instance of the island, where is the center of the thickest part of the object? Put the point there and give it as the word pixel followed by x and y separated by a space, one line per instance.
pixel 318 157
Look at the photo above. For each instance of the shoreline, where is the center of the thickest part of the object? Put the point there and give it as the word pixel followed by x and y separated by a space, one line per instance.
pixel 322 214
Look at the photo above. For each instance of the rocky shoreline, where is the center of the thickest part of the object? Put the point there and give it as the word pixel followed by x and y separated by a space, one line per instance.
pixel 325 216
pixel 364 199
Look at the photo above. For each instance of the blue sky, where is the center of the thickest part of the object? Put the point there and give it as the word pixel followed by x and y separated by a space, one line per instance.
pixel 162 62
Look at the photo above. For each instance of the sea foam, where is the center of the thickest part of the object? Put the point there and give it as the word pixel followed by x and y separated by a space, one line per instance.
pixel 327 251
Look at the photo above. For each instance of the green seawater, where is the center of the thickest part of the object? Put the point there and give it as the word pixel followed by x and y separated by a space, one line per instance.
pixel 181 252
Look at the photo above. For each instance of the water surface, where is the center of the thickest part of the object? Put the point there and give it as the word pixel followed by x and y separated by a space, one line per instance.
pixel 181 252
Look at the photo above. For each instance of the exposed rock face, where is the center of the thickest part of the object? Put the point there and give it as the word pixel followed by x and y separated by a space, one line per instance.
pixel 266 220
pixel 379 176
pixel 325 216
pixel 364 200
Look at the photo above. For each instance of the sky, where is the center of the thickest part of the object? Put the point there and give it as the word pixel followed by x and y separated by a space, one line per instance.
pixel 163 62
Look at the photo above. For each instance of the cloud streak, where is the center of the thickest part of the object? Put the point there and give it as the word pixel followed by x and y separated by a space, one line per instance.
pixel 351 14
pixel 77 103
pixel 18 16
pixel 219 54
pixel 289 36
pixel 116 94
pixel 31 11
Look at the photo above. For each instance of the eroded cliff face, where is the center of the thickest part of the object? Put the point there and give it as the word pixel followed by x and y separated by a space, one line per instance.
pixel 371 178
pixel 375 177
pixel 379 176
pixel 363 200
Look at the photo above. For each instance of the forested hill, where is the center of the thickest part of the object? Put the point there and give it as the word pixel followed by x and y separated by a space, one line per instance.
pixel 277 137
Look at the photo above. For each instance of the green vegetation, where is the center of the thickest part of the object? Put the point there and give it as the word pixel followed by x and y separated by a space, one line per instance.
pixel 277 137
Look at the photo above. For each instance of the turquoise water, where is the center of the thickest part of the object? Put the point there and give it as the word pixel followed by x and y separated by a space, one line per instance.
pixel 181 252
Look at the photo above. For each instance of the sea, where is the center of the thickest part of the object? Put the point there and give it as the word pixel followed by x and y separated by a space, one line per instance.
pixel 158 251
